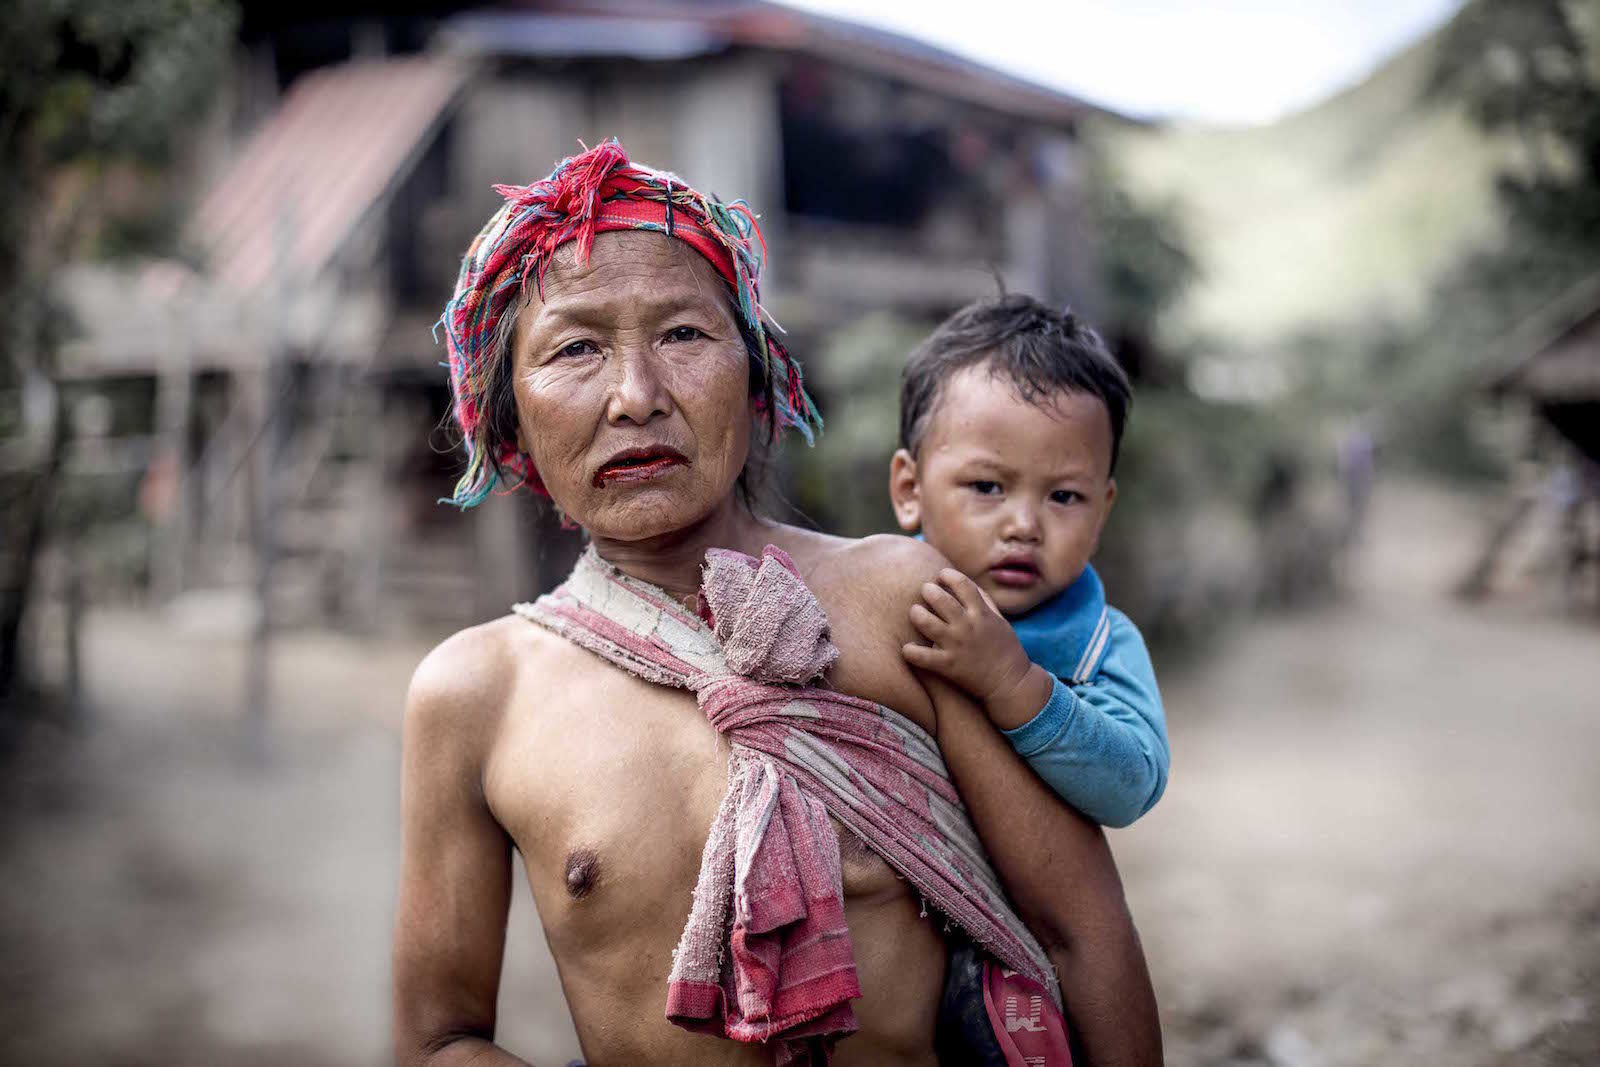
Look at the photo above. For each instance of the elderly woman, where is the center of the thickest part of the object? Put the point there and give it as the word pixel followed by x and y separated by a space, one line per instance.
pixel 715 702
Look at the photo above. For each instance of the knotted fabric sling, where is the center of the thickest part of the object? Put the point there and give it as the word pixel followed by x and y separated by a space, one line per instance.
pixel 766 955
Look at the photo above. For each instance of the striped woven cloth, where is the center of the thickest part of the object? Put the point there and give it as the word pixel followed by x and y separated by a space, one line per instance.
pixel 765 954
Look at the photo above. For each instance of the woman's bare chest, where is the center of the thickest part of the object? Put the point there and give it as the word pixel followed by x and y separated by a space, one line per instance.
pixel 608 786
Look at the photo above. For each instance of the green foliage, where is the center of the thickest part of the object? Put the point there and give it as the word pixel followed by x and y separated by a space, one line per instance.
pixel 1529 68
pixel 1384 247
pixel 108 78
pixel 842 483
pixel 87 86
pixel 1520 65
pixel 1145 261
pixel 1187 461
pixel 1325 217
pixel 95 97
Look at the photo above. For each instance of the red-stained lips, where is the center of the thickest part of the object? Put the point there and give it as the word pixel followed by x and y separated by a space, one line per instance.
pixel 1018 571
pixel 638 464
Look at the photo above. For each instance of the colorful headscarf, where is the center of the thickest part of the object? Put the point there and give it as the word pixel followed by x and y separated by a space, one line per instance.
pixel 593 192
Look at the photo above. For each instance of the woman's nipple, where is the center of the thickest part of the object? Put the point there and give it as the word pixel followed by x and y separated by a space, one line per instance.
pixel 583 871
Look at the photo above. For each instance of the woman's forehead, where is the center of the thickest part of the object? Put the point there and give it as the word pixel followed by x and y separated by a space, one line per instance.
pixel 627 271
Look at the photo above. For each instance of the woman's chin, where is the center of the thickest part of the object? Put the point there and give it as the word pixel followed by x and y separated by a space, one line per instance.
pixel 646 512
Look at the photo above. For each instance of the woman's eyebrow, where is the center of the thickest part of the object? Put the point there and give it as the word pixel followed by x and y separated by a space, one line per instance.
pixel 604 308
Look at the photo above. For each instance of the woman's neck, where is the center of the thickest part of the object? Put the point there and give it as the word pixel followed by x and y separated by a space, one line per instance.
pixel 672 561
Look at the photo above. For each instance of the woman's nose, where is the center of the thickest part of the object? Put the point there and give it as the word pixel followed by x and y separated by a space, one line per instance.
pixel 638 393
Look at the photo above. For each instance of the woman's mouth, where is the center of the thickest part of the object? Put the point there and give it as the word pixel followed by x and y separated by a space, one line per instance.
pixel 638 465
pixel 1017 572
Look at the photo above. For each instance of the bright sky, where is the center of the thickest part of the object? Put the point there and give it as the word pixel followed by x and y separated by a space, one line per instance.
pixel 1224 61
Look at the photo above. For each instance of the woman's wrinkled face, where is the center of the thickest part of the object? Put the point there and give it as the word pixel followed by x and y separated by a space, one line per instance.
pixel 632 387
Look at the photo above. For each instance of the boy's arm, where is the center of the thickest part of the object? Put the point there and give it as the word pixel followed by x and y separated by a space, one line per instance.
pixel 1059 872
pixel 1102 746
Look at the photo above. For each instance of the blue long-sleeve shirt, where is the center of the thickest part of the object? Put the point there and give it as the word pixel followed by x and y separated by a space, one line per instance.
pixel 1100 741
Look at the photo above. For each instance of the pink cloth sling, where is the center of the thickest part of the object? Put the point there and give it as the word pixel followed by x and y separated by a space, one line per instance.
pixel 766 955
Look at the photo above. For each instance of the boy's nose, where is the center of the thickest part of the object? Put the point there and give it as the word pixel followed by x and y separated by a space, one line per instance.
pixel 1021 524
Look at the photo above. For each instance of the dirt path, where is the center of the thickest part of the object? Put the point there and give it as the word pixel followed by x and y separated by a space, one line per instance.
pixel 1380 840
pixel 1378 846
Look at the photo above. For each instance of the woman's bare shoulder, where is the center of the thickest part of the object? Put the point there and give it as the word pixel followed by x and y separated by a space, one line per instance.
pixel 867 587
pixel 878 565
pixel 898 563
pixel 461 688
pixel 885 572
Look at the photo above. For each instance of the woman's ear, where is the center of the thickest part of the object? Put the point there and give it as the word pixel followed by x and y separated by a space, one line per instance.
pixel 905 492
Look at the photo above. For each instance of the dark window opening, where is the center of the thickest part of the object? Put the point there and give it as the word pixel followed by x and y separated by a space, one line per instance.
pixel 420 268
pixel 888 172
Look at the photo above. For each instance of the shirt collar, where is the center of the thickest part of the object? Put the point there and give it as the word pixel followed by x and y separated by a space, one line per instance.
pixel 1065 634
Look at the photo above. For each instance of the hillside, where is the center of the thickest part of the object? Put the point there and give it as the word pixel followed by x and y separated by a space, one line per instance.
pixel 1346 209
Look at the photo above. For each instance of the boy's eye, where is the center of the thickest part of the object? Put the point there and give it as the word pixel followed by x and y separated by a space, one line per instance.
pixel 1066 496
pixel 985 488
pixel 577 348
pixel 684 333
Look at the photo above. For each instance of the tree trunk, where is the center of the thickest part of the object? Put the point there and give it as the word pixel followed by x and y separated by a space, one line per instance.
pixel 27 525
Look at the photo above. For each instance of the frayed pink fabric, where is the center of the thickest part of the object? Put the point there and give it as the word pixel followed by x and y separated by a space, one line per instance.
pixel 765 954
pixel 771 628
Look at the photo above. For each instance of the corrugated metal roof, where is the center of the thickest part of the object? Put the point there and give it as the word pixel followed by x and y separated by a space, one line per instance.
pixel 571 36
pixel 1557 350
pixel 1566 370
pixel 342 137
pixel 653 29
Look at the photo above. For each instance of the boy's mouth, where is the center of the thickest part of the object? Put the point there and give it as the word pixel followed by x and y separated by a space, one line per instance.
pixel 1017 571
pixel 638 464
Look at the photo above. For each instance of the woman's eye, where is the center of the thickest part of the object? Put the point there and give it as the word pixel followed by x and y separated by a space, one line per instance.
pixel 577 348
pixel 684 333
pixel 985 488
pixel 1066 496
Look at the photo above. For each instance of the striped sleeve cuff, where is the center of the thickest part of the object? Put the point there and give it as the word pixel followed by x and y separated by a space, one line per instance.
pixel 1039 732
pixel 1094 652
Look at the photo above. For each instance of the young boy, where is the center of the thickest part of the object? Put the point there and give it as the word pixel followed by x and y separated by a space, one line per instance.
pixel 1011 417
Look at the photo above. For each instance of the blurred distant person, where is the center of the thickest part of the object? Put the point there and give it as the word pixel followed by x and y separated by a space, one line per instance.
pixel 608 348
pixel 1280 528
pixel 1357 461
pixel 1573 490
pixel 1011 418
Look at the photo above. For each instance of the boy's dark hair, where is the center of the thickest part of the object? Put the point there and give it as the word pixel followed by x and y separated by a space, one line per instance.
pixel 1039 350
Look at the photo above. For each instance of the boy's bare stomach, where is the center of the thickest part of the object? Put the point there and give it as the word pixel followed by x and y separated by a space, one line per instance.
pixel 608 791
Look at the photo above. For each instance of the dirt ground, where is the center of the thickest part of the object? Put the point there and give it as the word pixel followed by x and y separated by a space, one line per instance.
pixel 1379 844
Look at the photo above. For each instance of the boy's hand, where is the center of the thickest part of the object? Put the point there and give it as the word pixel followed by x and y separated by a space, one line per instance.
pixel 971 644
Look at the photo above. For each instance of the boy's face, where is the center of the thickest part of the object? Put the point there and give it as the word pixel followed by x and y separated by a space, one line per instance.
pixel 1013 492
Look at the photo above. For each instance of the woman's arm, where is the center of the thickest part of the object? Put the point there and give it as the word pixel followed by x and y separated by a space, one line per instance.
pixel 455 875
pixel 1059 873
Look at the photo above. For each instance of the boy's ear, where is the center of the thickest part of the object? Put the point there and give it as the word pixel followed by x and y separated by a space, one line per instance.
pixel 1105 512
pixel 904 492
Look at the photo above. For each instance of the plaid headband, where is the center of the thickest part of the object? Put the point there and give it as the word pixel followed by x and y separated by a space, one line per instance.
pixel 594 192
